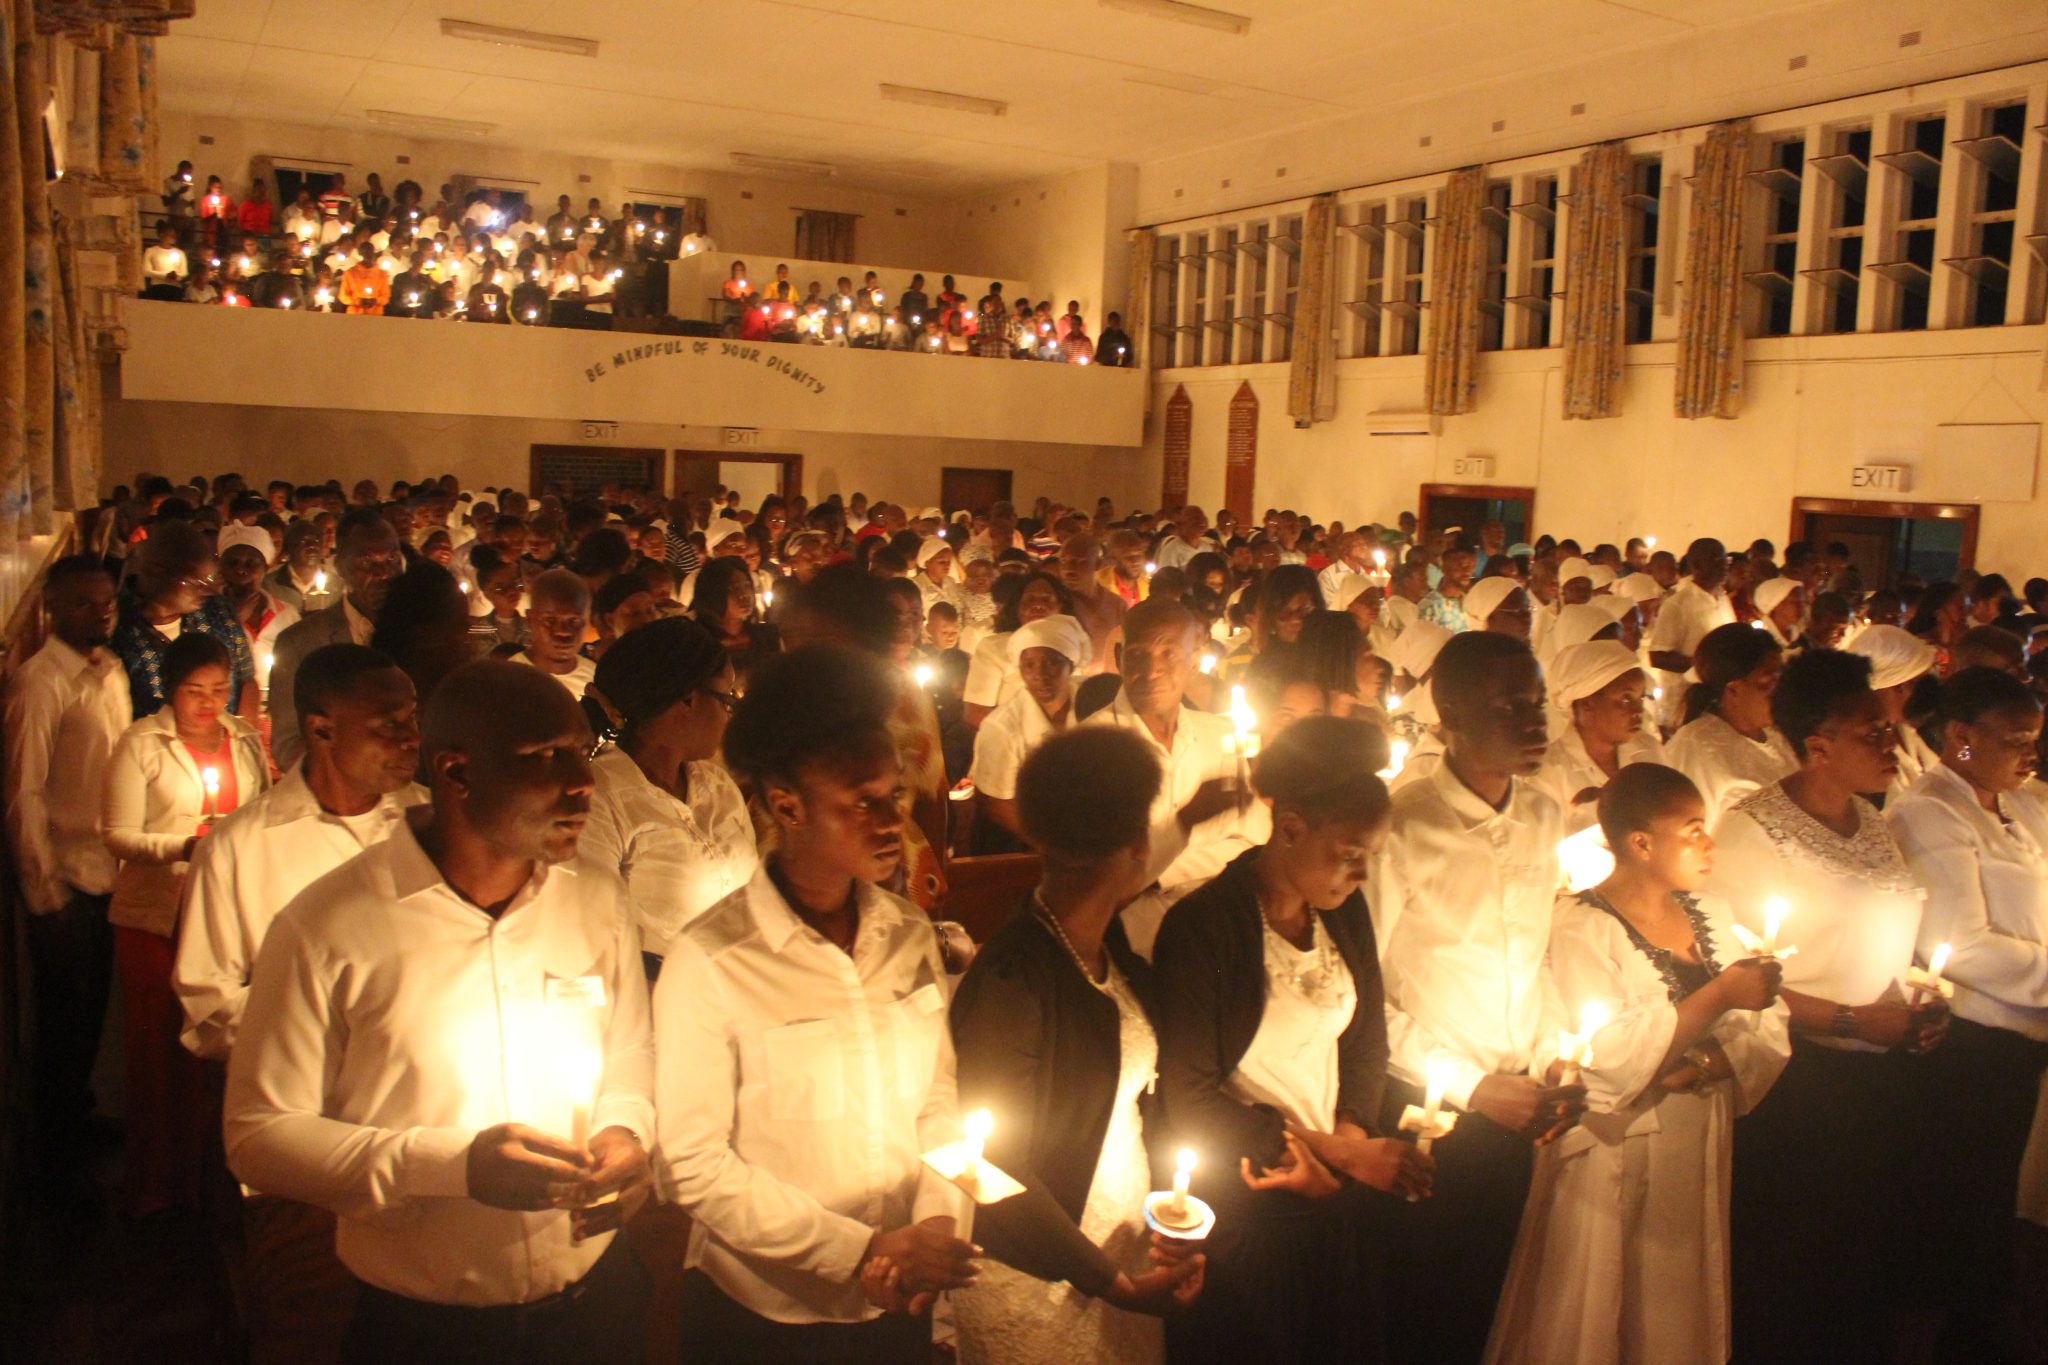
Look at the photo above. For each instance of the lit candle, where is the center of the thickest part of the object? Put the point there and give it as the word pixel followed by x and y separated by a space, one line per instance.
pixel 1244 724
pixel 1183 1173
pixel 1393 702
pixel 967 314
pixel 1650 541
pixel 265 660
pixel 1397 759
pixel 1575 1050
pixel 1430 1122
pixel 581 1070
pixel 1584 859
pixel 285 302
pixel 209 778
pixel 1150 569
pixel 320 581
pixel 767 597
pixel 463 584
pixel 1767 945
pixel 1930 981
pixel 975 1130
pixel 923 674
pixel 1437 1080
pixel 1208 663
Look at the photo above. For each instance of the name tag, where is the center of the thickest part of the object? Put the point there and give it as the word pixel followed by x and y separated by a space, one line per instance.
pixel 575 992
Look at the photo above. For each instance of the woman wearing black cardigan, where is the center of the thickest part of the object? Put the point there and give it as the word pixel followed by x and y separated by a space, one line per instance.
pixel 1052 1030
pixel 1272 1057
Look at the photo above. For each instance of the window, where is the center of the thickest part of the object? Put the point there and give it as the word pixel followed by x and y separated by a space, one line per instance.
pixel 1250 339
pixel 1533 299
pixel 1279 314
pixel 1907 263
pixel 1217 327
pixel 1991 186
pixel 1403 309
pixel 1166 280
pixel 1366 243
pixel 1196 259
pixel 1837 270
pixel 1645 204
pixel 1493 283
pixel 1783 184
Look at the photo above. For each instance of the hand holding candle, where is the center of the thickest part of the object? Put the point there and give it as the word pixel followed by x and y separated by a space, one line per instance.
pixel 1930 981
pixel 1775 911
pixel 1575 1050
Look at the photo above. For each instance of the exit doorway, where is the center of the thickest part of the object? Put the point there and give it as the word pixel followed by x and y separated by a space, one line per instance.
pixel 972 489
pixel 1932 541
pixel 1467 505
pixel 753 476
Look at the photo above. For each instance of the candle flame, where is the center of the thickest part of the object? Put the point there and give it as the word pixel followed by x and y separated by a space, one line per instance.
pixel 1938 960
pixel 1208 663
pixel 1242 717
pixel 211 778
pixel 923 674
pixel 1184 1162
pixel 1397 759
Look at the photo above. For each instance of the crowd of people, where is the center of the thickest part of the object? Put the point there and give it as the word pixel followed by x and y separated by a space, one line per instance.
pixel 1518 951
pixel 483 257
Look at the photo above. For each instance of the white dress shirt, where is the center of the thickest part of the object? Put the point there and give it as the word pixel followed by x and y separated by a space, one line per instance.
pixel 1987 895
pixel 1853 908
pixel 1461 900
pixel 244 873
pixel 576 679
pixel 677 858
pixel 1332 581
pixel 798 1085
pixel 1727 765
pixel 165 265
pixel 1174 553
pixel 65 711
pixel 1006 739
pixel 390 1021
pixel 1569 770
pixel 1185 859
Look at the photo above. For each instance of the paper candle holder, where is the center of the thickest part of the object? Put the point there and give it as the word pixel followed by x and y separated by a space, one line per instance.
pixel 977 1177
pixel 1427 1127
pixel 1193 1224
pixel 1753 943
pixel 1923 982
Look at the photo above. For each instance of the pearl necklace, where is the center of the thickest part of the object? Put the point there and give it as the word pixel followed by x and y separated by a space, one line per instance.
pixel 1313 978
pixel 1051 922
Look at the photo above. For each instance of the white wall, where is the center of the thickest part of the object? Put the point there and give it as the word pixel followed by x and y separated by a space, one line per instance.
pixel 1816 407
pixel 1066 233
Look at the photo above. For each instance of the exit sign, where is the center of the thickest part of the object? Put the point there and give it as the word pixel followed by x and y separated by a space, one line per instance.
pixel 1472 467
pixel 1880 478
pixel 742 436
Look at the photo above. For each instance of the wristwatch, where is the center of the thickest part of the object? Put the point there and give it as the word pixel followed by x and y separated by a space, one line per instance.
pixel 1844 1024
pixel 1702 1067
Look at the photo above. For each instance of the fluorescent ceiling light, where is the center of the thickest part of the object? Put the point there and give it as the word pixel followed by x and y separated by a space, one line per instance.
pixel 1182 13
pixel 392 118
pixel 519 37
pixel 944 99
pixel 787 164
pixel 1186 85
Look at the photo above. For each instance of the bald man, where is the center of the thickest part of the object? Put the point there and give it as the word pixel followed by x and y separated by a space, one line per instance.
pixel 447 1044
pixel 557 614
pixel 1099 609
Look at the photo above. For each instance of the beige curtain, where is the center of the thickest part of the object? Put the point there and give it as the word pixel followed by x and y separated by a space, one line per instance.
pixel 124 137
pixel 13 286
pixel 1457 260
pixel 1138 296
pixel 1709 359
pixel 1595 278
pixel 74 449
pixel 822 236
pixel 39 360
pixel 1311 356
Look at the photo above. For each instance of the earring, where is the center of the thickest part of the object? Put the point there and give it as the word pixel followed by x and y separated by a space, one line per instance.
pixel 1964 753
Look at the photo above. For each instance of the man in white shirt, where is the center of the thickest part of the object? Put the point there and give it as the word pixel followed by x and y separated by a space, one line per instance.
pixel 66 706
pixel 366 557
pixel 1461 901
pixel 1696 606
pixel 359 720
pixel 1351 562
pixel 1187 540
pixel 1200 819
pixel 164 265
pixel 446 1043
pixel 804 1057
pixel 558 610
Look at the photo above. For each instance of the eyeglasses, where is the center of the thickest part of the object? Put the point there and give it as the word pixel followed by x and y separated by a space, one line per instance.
pixel 729 700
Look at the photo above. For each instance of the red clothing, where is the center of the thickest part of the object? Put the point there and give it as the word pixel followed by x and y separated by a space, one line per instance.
pixel 255 217
pixel 222 761
pixel 166 1109
pixel 755 324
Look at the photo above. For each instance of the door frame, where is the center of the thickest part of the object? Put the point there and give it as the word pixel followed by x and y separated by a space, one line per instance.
pixel 788 486
pixel 1968 513
pixel 1009 481
pixel 1485 492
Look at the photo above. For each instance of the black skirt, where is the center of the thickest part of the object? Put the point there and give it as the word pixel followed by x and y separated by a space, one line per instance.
pixel 1818 1217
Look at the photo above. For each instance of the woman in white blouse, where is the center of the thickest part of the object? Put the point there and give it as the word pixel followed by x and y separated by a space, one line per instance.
pixel 171 776
pixel 1816 1242
pixel 666 816
pixel 1625 1236
pixel 1979 843
pixel 1898 662
pixel 1599 688
pixel 992 674
pixel 1728 746
pixel 1045 654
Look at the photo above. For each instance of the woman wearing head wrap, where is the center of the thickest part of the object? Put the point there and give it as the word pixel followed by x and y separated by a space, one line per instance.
pixel 1599 688
pixel 1780 603
pixel 1498 604
pixel 1045 654
pixel 1576 625
pixel 1898 661
pixel 934 574
pixel 1728 746
pixel 1414 710
pixel 1020 599
pixel 665 816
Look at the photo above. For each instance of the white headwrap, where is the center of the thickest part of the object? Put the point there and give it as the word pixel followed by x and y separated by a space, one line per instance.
pixel 255 537
pixel 1414 651
pixel 1600 576
pixel 1616 607
pixel 1578 624
pixel 1581 670
pixel 930 548
pixel 1350 588
pixel 722 529
pixel 1483 598
pixel 1573 568
pixel 1895 657
pixel 1637 587
pixel 1770 593
pixel 1061 634
pixel 1420 703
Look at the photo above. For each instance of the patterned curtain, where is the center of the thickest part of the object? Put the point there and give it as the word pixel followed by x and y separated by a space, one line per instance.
pixel 1709 360
pixel 1595 278
pixel 822 236
pixel 1457 259
pixel 1313 349
pixel 13 284
pixel 1138 296
pixel 39 357
pixel 75 447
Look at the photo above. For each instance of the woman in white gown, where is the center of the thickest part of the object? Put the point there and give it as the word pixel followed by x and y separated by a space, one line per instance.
pixel 1598 689
pixel 1054 1037
pixel 1897 663
pixel 1728 746
pixel 1623 1250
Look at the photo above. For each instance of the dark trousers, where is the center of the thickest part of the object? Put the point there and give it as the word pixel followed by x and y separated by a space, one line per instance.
pixel 715 1329
pixel 596 1321
pixel 1449 1254
pixel 71 957
pixel 297 1295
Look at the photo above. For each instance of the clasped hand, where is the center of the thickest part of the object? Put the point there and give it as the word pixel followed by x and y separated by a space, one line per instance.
pixel 512 1166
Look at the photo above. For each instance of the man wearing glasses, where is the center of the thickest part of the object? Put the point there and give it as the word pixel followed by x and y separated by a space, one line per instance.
pixel 367 557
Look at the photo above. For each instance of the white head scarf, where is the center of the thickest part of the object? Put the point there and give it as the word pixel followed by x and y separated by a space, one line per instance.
pixel 1616 607
pixel 930 548
pixel 1573 568
pixel 1061 634
pixel 1580 623
pixel 1637 587
pixel 1600 576
pixel 1414 651
pixel 1769 594
pixel 1483 598
pixel 1582 670
pixel 722 529
pixel 1895 657
pixel 255 537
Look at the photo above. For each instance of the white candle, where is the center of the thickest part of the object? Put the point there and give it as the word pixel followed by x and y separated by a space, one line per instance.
pixel 1775 910
pixel 580 1074
pixel 923 674
pixel 1436 1074
pixel 1244 723
pixel 1397 759
pixel 209 778
pixel 1183 1172
pixel 1576 1050
pixel 1930 982
pixel 320 581
pixel 975 1130
pixel 1208 663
